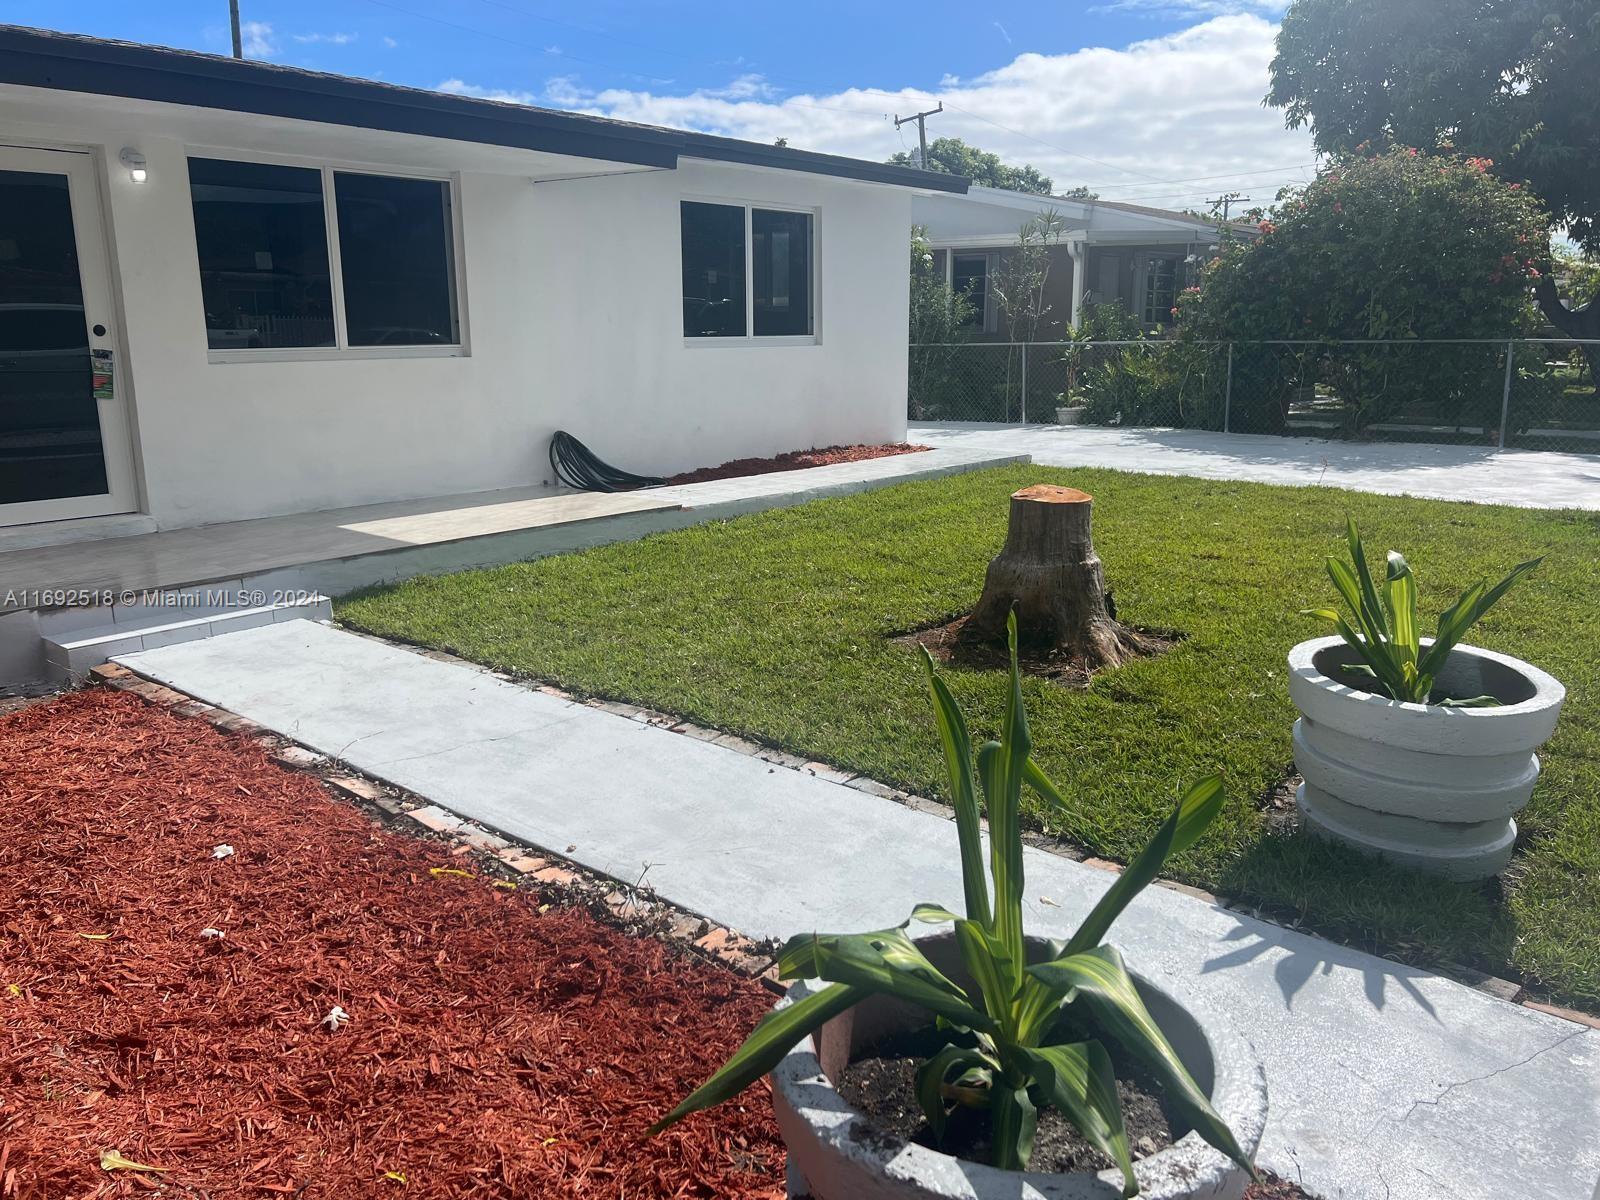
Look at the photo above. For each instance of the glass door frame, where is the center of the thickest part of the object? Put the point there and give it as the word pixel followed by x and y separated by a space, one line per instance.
pixel 99 307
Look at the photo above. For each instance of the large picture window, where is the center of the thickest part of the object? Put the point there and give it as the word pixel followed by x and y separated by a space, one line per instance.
pixel 276 274
pixel 747 271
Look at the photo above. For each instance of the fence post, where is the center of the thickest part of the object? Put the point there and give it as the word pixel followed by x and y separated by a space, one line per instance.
pixel 1505 397
pixel 1024 383
pixel 1227 395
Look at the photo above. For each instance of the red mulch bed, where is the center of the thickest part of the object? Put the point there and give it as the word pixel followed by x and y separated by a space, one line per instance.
pixel 796 460
pixel 494 1049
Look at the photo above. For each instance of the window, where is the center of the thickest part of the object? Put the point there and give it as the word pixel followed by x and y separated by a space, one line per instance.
pixel 726 245
pixel 1160 290
pixel 395 260
pixel 713 270
pixel 266 260
pixel 782 272
pixel 969 276
pixel 263 254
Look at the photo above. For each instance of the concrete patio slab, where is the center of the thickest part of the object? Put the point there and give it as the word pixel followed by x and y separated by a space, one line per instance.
pixel 1385 1082
pixel 1525 478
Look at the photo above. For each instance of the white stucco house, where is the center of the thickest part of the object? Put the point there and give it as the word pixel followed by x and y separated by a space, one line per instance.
pixel 1109 251
pixel 304 291
pixel 267 335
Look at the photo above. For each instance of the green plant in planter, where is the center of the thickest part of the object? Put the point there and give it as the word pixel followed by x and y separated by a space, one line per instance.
pixel 1027 1034
pixel 1387 634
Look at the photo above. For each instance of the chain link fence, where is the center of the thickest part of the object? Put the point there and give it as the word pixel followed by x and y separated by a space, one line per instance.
pixel 1529 393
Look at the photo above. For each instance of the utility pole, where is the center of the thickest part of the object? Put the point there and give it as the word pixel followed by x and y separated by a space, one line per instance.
pixel 921 119
pixel 1227 202
pixel 233 19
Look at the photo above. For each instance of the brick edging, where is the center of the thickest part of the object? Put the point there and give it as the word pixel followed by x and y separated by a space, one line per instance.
pixel 632 907
pixel 677 926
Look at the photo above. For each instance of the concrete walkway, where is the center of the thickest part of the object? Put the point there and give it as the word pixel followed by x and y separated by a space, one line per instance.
pixel 1526 478
pixel 1384 1082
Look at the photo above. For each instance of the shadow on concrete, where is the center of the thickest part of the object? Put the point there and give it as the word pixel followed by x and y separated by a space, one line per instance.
pixel 1304 956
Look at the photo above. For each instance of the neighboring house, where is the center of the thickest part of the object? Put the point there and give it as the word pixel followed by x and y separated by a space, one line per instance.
pixel 1108 251
pixel 304 291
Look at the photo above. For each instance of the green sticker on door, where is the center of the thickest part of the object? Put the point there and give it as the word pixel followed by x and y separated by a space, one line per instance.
pixel 104 368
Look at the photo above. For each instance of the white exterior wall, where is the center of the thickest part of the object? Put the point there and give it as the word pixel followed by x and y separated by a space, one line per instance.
pixel 572 317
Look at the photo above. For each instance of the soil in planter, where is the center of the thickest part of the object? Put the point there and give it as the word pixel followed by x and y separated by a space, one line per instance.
pixel 945 644
pixel 881 1084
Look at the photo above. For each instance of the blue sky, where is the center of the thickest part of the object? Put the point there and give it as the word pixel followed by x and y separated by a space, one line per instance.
pixel 1155 101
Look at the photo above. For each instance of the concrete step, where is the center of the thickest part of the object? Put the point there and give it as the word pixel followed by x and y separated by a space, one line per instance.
pixel 71 654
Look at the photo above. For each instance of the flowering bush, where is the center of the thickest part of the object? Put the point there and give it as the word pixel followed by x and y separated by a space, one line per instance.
pixel 1398 245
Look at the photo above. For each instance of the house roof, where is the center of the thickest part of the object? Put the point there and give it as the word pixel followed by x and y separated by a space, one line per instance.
pixel 1074 207
pixel 77 63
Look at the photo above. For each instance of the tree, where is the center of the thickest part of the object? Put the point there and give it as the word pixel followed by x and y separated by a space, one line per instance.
pixel 940 319
pixel 1049 576
pixel 1513 81
pixel 1019 284
pixel 953 156
pixel 1400 246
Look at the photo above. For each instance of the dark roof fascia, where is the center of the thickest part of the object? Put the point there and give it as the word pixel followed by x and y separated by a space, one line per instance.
pixel 98 66
pixel 758 154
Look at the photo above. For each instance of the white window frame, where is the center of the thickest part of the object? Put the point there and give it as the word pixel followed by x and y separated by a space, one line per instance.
pixel 751 338
pixel 341 349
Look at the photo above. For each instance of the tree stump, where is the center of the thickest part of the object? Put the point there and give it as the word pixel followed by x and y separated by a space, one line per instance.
pixel 1049 573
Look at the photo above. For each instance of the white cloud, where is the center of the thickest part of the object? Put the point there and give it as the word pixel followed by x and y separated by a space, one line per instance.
pixel 1127 121
pixel 1195 8
pixel 460 87
pixel 258 41
pixel 330 39
pixel 1002 30
pixel 389 42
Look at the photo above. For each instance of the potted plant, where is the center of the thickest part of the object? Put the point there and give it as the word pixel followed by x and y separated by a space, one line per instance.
pixel 1025 1025
pixel 1418 749
pixel 1069 409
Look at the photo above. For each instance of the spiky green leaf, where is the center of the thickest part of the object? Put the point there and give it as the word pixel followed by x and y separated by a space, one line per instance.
pixel 1098 979
pixel 957 743
pixel 1078 1080
pixel 931 1077
pixel 774 1036
pixel 1015 1120
pixel 1189 818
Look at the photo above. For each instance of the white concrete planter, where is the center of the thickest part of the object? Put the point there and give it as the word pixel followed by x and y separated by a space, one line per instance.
pixel 1070 416
pixel 1427 785
pixel 835 1154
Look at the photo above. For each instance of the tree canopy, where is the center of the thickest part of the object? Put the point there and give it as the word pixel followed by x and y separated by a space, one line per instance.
pixel 1399 244
pixel 954 157
pixel 1514 81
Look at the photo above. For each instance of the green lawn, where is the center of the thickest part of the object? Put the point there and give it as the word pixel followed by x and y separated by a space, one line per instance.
pixel 777 626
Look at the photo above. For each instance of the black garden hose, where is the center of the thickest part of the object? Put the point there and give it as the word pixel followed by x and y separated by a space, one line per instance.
pixel 576 466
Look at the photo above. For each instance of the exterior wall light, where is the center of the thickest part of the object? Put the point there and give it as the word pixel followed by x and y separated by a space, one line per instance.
pixel 134 161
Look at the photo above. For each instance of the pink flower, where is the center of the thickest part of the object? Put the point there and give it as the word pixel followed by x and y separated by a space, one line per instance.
pixel 1533 272
pixel 1338 207
pixel 1516 187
